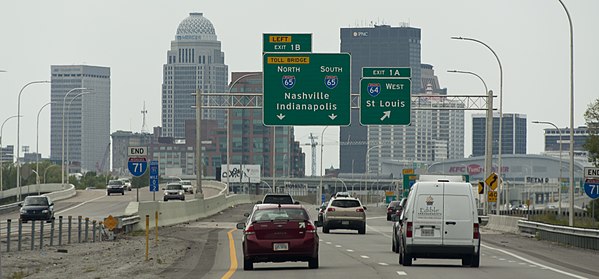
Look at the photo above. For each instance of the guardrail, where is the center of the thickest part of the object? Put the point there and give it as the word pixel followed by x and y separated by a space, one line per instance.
pixel 577 237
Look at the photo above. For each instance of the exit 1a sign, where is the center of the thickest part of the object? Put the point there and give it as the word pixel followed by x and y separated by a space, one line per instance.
pixel 386 72
pixel 385 101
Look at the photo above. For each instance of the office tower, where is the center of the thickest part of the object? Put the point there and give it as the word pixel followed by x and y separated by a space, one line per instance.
pixel 121 140
pixel 381 45
pixel 86 117
pixel 513 134
pixel 194 62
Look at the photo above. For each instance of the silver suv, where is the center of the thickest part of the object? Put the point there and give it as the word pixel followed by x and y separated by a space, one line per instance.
pixel 344 213
pixel 174 191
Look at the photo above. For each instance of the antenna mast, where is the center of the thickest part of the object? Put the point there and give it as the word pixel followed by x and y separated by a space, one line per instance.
pixel 143 124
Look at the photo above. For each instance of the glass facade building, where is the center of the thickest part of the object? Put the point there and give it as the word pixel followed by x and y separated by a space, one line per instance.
pixel 195 62
pixel 86 118
pixel 513 135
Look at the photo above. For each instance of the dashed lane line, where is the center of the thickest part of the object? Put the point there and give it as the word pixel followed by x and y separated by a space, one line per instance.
pixel 402 273
pixel 78 205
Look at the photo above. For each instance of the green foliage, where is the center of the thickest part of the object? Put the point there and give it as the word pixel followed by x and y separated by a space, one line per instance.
pixel 579 222
pixel 594 204
pixel 591 116
pixel 142 181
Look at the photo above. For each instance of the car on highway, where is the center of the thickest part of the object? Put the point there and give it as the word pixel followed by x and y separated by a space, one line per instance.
pixel 127 182
pixel 277 199
pixel 440 221
pixel 344 213
pixel 279 233
pixel 37 208
pixel 174 191
pixel 187 187
pixel 396 237
pixel 115 186
pixel 392 209
pixel 321 210
pixel 342 195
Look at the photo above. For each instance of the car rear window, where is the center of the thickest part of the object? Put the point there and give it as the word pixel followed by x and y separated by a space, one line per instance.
pixel 280 214
pixel 278 199
pixel 393 203
pixel 345 203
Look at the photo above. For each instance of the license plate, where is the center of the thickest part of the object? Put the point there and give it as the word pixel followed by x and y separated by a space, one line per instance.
pixel 280 246
pixel 345 223
pixel 427 232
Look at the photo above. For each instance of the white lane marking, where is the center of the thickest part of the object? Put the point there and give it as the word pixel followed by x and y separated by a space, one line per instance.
pixel 383 264
pixel 402 273
pixel 532 265
pixel 78 205
pixel 512 261
pixel 501 259
pixel 364 257
pixel 338 246
pixel 378 217
pixel 522 263
pixel 328 242
pixel 350 250
pixel 532 262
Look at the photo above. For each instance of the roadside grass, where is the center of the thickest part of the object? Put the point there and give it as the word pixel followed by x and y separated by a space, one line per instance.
pixel 579 222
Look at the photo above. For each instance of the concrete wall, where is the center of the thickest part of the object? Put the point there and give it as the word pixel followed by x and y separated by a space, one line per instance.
pixel 504 223
pixel 55 191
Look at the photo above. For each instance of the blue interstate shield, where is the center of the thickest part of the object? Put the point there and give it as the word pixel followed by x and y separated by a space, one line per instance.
pixel 374 89
pixel 330 81
pixel 288 81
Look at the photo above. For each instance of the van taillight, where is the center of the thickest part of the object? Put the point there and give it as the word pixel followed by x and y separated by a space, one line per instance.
pixel 409 229
pixel 476 231
pixel 310 228
pixel 360 209
pixel 330 209
pixel 249 230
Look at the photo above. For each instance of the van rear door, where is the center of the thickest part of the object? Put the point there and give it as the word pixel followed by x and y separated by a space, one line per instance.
pixel 458 222
pixel 428 214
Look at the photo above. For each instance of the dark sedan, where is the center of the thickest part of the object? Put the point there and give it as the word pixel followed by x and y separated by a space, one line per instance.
pixel 391 209
pixel 279 233
pixel 37 208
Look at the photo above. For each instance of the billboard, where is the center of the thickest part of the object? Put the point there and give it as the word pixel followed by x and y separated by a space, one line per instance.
pixel 243 173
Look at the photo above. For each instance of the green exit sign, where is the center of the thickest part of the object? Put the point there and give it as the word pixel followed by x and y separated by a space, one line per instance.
pixel 385 101
pixel 383 72
pixel 306 89
pixel 287 42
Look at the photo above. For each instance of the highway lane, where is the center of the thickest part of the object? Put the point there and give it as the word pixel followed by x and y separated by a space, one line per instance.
pixel 344 254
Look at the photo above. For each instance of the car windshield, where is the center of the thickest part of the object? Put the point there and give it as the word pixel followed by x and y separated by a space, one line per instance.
pixel 36 201
pixel 115 182
pixel 345 203
pixel 278 199
pixel 186 182
pixel 280 214
pixel 174 187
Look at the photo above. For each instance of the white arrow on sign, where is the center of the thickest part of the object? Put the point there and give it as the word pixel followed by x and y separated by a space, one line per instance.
pixel 332 116
pixel 386 114
pixel 281 116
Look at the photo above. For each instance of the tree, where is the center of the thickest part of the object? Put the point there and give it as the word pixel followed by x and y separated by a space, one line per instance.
pixel 591 116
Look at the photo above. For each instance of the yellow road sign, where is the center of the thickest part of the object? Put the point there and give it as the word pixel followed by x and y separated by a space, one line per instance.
pixel 492 196
pixel 492 181
pixel 481 187
pixel 110 222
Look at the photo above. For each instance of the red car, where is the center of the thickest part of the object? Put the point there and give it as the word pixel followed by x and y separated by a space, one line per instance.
pixel 279 233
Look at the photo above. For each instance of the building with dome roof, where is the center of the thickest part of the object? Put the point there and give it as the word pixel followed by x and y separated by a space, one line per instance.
pixel 194 62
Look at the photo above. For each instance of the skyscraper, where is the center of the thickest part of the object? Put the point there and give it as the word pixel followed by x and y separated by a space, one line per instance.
pixel 86 117
pixel 194 62
pixel 378 46
pixel 513 135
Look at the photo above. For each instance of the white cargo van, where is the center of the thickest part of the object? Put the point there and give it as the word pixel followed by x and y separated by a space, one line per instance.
pixel 440 220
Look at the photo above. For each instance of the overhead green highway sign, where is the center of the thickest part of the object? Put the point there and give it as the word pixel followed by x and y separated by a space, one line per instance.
pixel 382 72
pixel 287 42
pixel 385 101
pixel 306 89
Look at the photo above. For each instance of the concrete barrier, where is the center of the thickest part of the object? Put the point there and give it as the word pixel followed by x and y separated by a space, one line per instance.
pixel 55 191
pixel 504 223
pixel 176 212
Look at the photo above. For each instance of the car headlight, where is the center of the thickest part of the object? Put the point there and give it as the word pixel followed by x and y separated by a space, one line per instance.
pixel 45 211
pixel 165 193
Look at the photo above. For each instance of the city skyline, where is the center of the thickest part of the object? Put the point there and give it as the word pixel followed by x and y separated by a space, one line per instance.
pixel 533 47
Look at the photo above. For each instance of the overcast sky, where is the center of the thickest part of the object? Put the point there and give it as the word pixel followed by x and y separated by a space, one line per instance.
pixel 530 37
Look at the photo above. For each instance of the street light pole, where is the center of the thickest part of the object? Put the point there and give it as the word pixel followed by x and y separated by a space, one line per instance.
pixel 499 151
pixel 37 144
pixel 19 135
pixel 488 136
pixel 368 168
pixel 559 183
pixel 318 197
pixel 229 129
pixel 64 101
pixel 571 215
pixel 2 150
pixel 68 128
